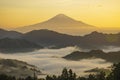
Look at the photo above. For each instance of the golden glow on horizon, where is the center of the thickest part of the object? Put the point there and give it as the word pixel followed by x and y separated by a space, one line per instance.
pixel 101 13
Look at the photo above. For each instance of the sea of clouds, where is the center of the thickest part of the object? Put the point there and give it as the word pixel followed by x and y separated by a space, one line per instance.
pixel 50 61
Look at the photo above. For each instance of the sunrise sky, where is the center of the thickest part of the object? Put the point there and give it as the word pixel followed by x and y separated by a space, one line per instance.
pixel 101 13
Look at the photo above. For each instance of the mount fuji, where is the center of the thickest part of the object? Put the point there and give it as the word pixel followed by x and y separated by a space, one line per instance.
pixel 58 23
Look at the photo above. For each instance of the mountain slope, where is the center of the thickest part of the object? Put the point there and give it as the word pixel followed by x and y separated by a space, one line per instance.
pixel 59 22
pixel 50 38
pixel 94 40
pixel 109 57
pixel 17 45
pixel 17 68
pixel 9 34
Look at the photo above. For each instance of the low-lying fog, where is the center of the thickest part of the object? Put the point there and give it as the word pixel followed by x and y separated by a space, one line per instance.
pixel 50 61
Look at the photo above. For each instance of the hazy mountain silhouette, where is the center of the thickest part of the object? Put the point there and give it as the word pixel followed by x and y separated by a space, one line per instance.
pixel 94 40
pixel 9 34
pixel 48 38
pixel 59 21
pixel 8 45
pixel 109 57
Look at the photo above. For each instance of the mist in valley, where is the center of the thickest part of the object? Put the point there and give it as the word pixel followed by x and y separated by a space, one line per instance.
pixel 50 61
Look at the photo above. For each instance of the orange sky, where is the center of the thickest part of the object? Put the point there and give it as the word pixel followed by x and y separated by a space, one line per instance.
pixel 102 13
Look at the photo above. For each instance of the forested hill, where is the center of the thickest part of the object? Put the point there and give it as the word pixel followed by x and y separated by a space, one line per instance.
pixel 113 57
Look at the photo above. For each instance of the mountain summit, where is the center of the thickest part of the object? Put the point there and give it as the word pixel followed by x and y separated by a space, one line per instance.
pixel 58 22
pixel 62 18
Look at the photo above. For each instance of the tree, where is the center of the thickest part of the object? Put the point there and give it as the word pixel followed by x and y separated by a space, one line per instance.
pixel 81 78
pixel 54 77
pixel 29 78
pixel 115 74
pixel 101 76
pixel 72 76
pixel 91 77
pixel 64 75
pixel 49 77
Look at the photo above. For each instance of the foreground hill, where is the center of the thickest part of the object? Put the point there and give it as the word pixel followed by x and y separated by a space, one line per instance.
pixel 109 57
pixel 17 68
pixel 8 45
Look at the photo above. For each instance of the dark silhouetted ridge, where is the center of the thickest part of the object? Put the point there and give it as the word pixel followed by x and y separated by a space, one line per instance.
pixel 17 45
pixel 109 57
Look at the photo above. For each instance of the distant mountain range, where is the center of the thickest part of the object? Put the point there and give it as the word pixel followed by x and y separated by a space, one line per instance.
pixel 59 22
pixel 109 57
pixel 94 40
pixel 10 34
pixel 51 39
